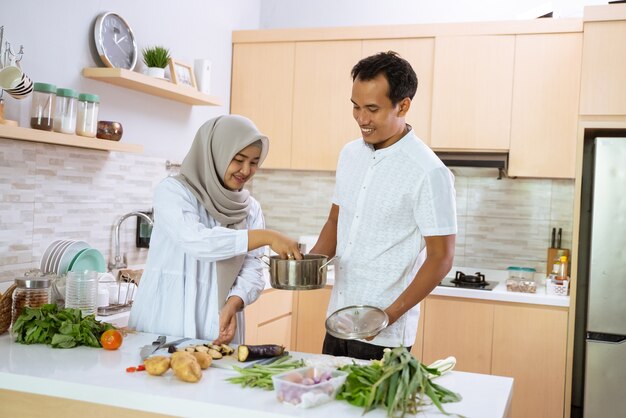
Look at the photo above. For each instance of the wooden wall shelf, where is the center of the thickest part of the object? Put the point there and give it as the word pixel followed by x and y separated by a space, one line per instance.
pixel 34 135
pixel 151 85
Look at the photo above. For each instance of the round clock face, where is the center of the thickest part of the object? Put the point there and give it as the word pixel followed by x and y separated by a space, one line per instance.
pixel 115 41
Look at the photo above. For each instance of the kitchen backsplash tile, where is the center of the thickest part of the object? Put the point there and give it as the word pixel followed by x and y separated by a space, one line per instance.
pixel 17 171
pixel 500 222
pixel 50 192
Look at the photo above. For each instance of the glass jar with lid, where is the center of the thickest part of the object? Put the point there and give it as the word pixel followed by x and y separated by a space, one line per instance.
pixel 87 122
pixel 66 109
pixel 42 107
pixel 30 292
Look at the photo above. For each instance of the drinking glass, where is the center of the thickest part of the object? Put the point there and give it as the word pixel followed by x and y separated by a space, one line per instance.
pixel 81 291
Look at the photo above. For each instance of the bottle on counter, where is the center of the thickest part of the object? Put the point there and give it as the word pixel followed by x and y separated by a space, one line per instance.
pixel 65 112
pixel 87 121
pixel 30 292
pixel 562 271
pixel 42 106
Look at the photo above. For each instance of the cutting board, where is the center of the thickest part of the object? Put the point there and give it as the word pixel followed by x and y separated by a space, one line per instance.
pixel 226 362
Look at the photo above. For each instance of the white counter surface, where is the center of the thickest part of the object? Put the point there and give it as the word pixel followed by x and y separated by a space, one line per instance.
pixel 98 376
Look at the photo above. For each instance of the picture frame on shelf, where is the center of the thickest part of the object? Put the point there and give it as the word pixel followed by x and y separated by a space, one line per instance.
pixel 181 73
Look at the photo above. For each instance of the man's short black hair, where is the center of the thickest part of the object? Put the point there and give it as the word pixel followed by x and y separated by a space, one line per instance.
pixel 398 72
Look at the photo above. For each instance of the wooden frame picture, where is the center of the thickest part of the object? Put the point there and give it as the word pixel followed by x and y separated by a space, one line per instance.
pixel 182 73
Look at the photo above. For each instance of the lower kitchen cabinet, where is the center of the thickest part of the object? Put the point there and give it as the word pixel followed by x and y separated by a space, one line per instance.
pixel 269 319
pixel 529 344
pixel 310 317
pixel 458 327
pixel 418 345
pixel 525 342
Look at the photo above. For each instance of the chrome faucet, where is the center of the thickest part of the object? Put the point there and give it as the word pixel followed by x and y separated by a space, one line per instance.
pixel 118 262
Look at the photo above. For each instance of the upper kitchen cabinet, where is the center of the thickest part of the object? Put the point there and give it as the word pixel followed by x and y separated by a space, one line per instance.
pixel 262 90
pixel 603 85
pixel 322 112
pixel 544 114
pixel 419 52
pixel 472 92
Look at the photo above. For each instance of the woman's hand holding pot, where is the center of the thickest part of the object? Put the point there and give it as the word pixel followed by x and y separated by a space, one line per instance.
pixel 281 244
pixel 285 247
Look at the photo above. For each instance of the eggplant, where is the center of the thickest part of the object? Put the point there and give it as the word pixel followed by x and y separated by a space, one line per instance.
pixel 255 352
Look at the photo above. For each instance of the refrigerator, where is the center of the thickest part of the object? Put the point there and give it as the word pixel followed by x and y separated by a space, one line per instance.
pixel 600 347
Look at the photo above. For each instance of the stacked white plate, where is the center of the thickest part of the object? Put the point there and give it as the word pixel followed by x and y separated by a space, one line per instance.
pixel 60 254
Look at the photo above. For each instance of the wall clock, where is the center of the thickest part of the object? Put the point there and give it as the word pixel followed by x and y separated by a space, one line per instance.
pixel 115 41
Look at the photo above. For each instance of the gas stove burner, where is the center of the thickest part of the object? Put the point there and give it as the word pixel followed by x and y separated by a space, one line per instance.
pixel 467 281
pixel 477 280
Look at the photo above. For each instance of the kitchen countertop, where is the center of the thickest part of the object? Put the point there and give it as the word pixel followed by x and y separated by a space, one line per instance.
pixel 98 376
pixel 499 293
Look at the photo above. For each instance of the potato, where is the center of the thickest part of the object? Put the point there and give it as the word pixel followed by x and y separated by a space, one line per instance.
pixel 187 369
pixel 179 355
pixel 157 365
pixel 204 359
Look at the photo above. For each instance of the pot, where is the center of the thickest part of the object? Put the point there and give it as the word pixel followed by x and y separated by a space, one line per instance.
pixel 306 274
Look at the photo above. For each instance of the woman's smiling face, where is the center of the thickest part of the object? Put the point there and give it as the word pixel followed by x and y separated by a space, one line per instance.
pixel 242 167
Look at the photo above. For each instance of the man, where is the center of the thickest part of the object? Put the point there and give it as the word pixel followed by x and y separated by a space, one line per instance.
pixel 393 198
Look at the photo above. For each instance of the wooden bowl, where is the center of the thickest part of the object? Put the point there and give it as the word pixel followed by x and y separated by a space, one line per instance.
pixel 109 130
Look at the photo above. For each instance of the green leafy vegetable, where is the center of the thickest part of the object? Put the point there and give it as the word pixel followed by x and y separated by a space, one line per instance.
pixel 61 328
pixel 398 383
pixel 260 376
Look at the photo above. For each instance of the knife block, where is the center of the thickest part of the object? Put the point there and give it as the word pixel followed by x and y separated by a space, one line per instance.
pixel 553 254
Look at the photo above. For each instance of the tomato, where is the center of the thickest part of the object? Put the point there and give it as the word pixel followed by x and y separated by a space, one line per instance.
pixel 111 339
pixel 141 368
pixel 131 369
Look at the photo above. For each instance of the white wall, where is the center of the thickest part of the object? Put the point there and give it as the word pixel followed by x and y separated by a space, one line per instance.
pixel 320 13
pixel 57 37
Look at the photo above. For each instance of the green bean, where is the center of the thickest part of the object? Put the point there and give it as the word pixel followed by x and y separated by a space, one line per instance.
pixel 260 376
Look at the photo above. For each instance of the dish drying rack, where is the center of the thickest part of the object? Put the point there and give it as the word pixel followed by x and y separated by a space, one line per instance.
pixel 124 301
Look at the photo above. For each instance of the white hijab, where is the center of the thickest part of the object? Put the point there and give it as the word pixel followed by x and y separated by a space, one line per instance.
pixel 202 172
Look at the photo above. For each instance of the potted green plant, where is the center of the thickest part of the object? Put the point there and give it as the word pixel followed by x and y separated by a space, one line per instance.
pixel 156 59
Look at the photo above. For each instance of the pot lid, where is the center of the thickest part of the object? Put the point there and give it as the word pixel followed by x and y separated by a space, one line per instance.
pixel 356 322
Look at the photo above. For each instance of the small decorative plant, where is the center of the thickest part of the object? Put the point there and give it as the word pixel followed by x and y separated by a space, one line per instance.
pixel 156 57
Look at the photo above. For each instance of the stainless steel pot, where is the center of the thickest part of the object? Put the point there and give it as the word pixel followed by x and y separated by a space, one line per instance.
pixel 306 274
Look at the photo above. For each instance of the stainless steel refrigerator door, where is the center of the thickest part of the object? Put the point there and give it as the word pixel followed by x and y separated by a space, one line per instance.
pixel 607 273
pixel 604 382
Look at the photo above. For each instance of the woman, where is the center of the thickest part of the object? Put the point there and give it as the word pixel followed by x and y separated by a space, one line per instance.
pixel 202 267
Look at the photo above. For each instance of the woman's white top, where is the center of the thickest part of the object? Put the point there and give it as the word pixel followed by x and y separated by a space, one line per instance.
pixel 177 295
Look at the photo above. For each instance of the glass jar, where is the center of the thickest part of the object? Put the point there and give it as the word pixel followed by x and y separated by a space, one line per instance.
pixel 30 292
pixel 87 122
pixel 65 111
pixel 81 291
pixel 42 107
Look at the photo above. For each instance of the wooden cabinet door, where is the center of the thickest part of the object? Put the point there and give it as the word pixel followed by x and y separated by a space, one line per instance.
pixel 461 328
pixel 322 112
pixel 269 319
pixel 529 344
pixel 418 346
pixel 603 85
pixel 262 90
pixel 277 331
pixel 545 105
pixel 473 85
pixel 310 320
pixel 420 53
